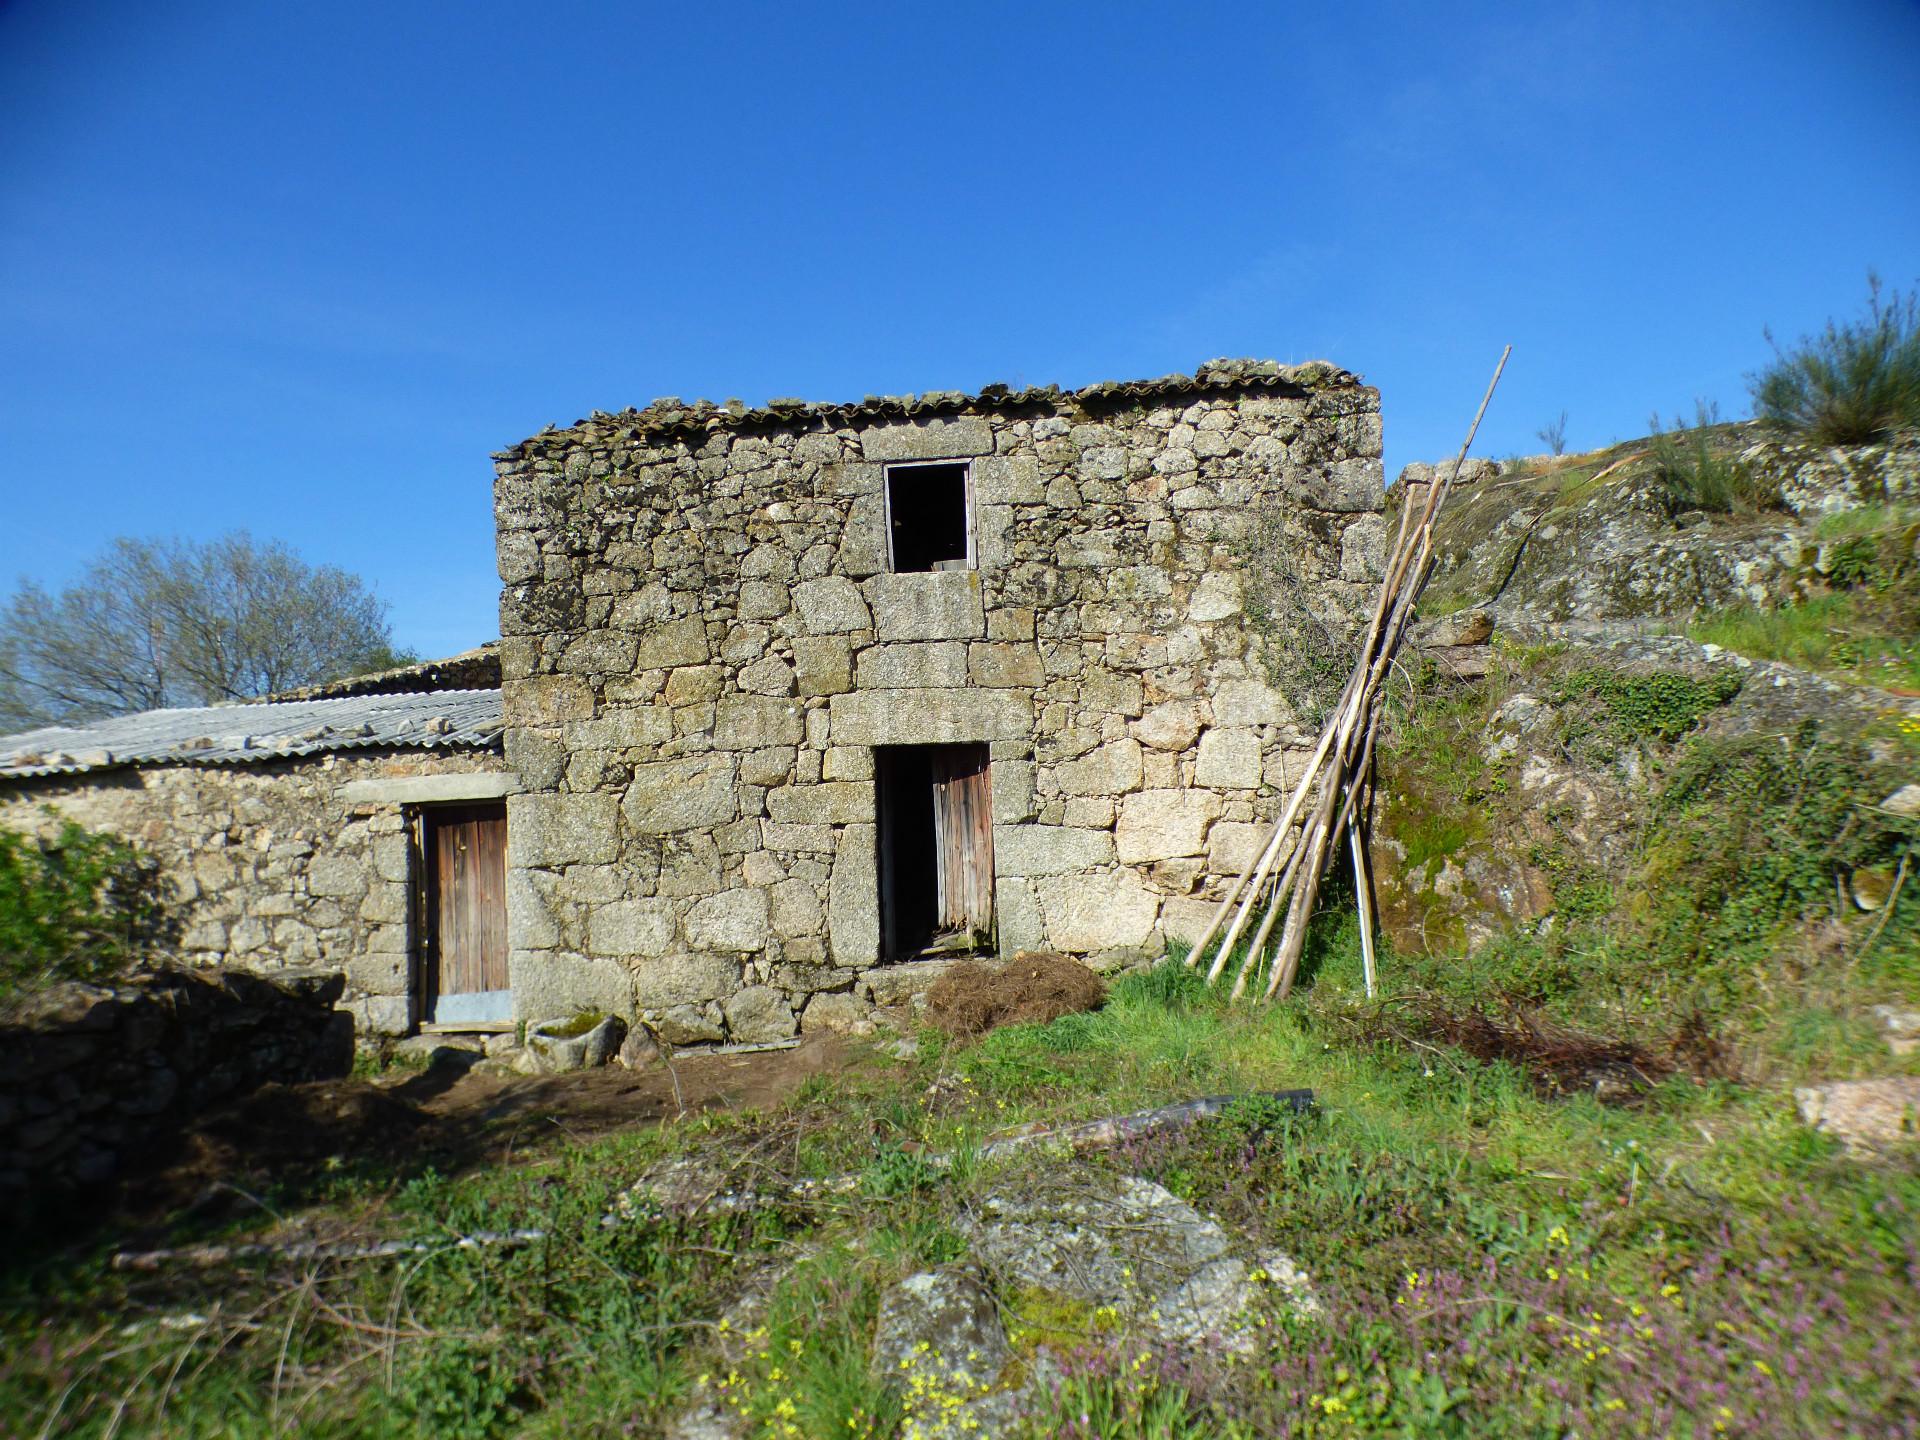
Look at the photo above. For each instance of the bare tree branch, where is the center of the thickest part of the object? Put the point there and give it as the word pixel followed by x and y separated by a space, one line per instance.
pixel 156 623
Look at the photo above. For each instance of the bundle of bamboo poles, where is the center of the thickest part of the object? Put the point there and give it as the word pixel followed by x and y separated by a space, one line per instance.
pixel 1332 795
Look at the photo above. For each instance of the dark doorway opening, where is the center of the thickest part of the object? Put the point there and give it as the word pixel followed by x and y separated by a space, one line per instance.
pixel 928 527
pixel 936 850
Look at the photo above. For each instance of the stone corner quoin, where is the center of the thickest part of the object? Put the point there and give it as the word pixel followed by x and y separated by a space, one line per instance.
pixel 706 654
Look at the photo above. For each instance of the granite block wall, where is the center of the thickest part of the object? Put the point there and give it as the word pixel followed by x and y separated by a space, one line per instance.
pixel 95 1077
pixel 281 863
pixel 702 645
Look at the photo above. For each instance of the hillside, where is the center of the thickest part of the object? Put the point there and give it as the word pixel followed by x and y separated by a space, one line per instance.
pixel 1644 820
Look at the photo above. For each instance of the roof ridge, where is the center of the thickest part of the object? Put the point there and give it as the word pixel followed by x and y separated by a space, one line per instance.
pixel 269 730
pixel 669 415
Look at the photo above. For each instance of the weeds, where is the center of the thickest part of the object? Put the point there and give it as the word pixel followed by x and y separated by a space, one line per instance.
pixel 1752 834
pixel 1304 646
pixel 1554 434
pixel 1861 610
pixel 1692 469
pixel 1637 707
pixel 1853 383
pixel 1844 636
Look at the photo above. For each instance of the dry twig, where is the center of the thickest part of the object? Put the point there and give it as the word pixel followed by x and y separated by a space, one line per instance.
pixel 1284 878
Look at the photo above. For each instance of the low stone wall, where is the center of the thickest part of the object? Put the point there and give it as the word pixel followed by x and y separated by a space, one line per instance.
pixel 94 1076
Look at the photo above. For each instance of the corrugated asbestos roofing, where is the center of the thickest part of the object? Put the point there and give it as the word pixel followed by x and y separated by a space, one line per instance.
pixel 475 669
pixel 254 734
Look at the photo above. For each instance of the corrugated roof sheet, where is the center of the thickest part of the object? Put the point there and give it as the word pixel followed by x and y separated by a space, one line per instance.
pixel 253 734
pixel 475 669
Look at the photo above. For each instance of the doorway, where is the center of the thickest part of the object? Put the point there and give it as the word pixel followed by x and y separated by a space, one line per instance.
pixel 935 808
pixel 464 944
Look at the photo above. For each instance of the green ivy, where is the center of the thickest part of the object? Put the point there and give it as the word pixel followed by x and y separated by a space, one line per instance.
pixel 1661 705
pixel 75 906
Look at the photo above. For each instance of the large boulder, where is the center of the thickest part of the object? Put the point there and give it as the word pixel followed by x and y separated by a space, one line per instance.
pixel 1131 1252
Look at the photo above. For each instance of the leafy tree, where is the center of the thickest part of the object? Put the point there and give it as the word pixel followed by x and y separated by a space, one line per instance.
pixel 157 623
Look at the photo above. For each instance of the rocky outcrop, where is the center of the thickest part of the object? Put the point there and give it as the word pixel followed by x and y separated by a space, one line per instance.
pixel 1072 1259
pixel 1866 1116
pixel 93 1077
pixel 1592 538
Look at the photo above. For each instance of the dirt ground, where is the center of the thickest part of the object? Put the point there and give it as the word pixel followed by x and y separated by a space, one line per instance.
pixel 444 1117
pixel 1031 988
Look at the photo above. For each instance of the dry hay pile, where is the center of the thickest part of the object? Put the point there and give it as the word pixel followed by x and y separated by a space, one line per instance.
pixel 1031 988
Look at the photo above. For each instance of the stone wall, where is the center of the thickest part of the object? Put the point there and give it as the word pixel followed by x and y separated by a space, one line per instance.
pixel 268 864
pixel 94 1076
pixel 702 646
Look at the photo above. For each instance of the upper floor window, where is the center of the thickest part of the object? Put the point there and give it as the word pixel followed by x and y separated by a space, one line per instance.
pixel 930 516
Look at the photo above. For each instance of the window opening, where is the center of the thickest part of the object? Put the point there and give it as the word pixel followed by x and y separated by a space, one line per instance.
pixel 929 524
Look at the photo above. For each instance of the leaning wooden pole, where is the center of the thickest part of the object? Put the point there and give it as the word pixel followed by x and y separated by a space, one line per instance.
pixel 1284 877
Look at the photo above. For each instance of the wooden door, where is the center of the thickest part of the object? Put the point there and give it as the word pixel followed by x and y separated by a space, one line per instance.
pixel 963 838
pixel 467 913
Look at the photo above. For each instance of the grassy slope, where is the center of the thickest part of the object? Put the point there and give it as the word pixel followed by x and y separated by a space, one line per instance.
pixel 1863 629
pixel 1708 883
pixel 1492 1262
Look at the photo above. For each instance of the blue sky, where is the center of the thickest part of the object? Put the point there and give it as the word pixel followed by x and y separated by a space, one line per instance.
pixel 301 268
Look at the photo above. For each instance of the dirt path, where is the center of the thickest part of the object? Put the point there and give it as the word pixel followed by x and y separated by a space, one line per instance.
pixel 445 1118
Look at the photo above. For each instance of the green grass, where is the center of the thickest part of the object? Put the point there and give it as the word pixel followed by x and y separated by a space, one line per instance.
pixel 1841 636
pixel 1419 1162
pixel 1866 520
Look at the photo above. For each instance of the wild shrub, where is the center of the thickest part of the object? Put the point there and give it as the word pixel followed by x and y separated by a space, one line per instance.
pixel 1693 469
pixel 74 906
pixel 1756 832
pixel 1853 383
pixel 895 1171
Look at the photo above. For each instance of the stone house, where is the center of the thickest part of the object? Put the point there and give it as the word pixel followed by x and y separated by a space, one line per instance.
pixel 331 829
pixel 794 705
pixel 804 701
